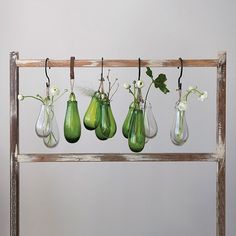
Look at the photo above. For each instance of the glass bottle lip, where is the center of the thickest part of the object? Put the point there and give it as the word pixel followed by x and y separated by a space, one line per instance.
pixel 72 97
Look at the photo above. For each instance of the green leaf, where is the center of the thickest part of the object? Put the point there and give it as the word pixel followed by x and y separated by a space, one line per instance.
pixel 159 82
pixel 149 72
pixel 161 78
pixel 164 89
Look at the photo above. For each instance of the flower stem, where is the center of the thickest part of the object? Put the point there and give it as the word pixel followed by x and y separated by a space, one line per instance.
pixel 148 93
pixel 65 91
pixel 37 98
pixel 194 90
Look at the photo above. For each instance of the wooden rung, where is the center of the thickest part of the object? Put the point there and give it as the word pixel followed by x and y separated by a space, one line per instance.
pixel 119 63
pixel 117 157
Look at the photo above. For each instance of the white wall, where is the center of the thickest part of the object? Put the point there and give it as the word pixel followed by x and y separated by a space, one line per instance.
pixel 104 199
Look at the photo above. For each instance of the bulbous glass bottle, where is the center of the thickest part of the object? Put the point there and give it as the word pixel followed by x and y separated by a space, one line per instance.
pixel 43 123
pixel 136 137
pixel 179 132
pixel 53 138
pixel 150 123
pixel 127 122
pixel 72 125
pixel 92 115
pixel 103 129
pixel 113 126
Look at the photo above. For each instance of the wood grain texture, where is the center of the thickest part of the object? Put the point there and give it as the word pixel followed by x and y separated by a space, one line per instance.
pixel 116 157
pixel 118 63
pixel 14 141
pixel 221 145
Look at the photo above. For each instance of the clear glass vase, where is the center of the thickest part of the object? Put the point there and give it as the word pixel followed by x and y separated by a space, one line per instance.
pixel 179 133
pixel 53 137
pixel 43 124
pixel 150 124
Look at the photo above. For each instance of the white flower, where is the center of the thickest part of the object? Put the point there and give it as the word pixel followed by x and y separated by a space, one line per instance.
pixel 54 91
pixel 127 86
pixel 182 106
pixel 139 84
pixel 20 97
pixel 203 96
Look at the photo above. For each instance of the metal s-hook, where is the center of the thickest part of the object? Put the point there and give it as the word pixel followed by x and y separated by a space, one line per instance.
pixel 181 73
pixel 101 86
pixel 72 73
pixel 46 72
pixel 139 68
pixel 102 78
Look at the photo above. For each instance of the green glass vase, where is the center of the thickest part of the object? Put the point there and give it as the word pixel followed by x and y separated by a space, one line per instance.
pixel 103 129
pixel 72 125
pixel 92 115
pixel 127 122
pixel 136 137
pixel 113 126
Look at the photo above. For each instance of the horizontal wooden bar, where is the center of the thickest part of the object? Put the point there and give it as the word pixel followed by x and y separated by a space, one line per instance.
pixel 117 157
pixel 118 63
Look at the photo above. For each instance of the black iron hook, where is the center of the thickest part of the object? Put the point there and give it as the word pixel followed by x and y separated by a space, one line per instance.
pixel 139 68
pixel 181 73
pixel 102 79
pixel 46 72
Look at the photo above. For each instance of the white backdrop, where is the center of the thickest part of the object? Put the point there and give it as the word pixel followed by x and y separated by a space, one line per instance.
pixel 130 199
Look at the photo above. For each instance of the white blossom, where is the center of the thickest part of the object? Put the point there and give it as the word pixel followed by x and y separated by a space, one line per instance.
pixel 54 91
pixel 139 84
pixel 127 86
pixel 20 97
pixel 182 106
pixel 203 96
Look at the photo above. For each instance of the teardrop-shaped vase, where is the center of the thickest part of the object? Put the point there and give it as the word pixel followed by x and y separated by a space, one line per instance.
pixel 99 134
pixel 179 132
pixel 136 138
pixel 92 115
pixel 103 129
pixel 72 125
pixel 53 138
pixel 127 122
pixel 150 123
pixel 43 123
pixel 113 126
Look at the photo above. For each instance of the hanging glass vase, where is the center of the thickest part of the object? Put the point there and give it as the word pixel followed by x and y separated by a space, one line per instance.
pixel 150 123
pixel 179 132
pixel 72 126
pixel 92 115
pixel 43 123
pixel 127 122
pixel 136 137
pixel 113 126
pixel 53 138
pixel 103 129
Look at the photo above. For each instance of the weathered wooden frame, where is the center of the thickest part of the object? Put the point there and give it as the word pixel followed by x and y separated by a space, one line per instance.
pixel 219 156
